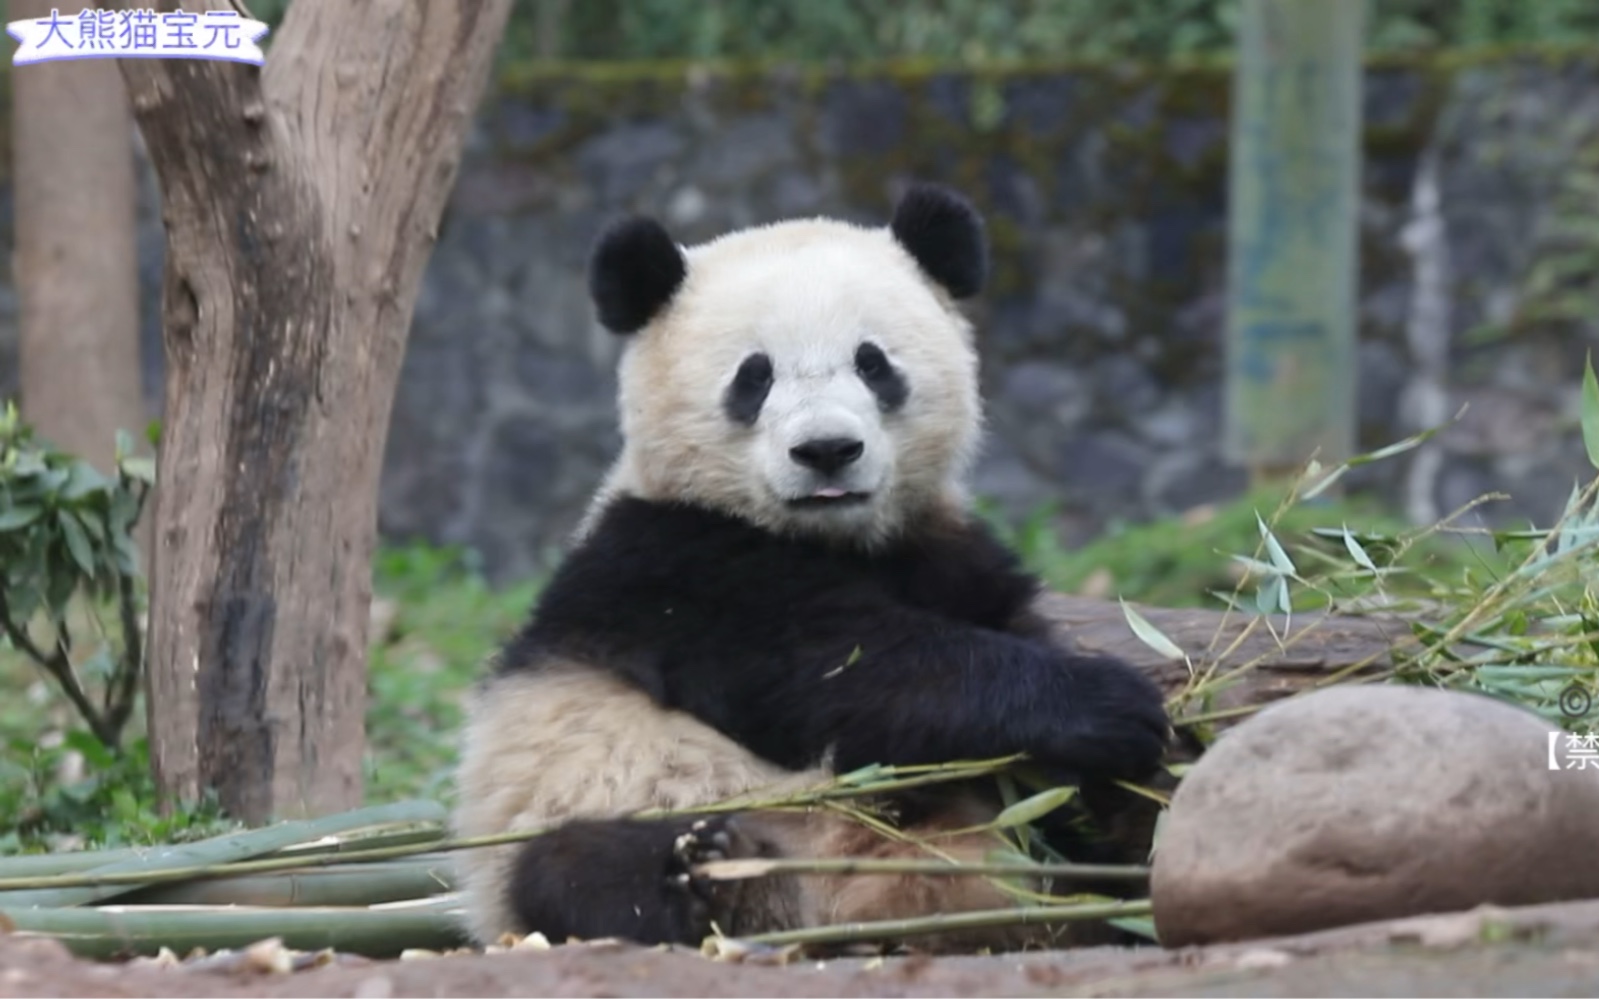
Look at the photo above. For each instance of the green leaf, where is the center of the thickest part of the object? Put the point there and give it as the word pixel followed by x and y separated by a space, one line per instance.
pixel 1256 566
pixel 1356 552
pixel 1590 412
pixel 1143 926
pixel 94 751
pixel 1030 809
pixel 82 479
pixel 101 665
pixel 18 517
pixel 1279 558
pixel 142 469
pixel 77 541
pixel 1151 635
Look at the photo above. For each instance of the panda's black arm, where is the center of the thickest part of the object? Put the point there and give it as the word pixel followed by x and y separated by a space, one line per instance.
pixel 928 689
pixel 755 636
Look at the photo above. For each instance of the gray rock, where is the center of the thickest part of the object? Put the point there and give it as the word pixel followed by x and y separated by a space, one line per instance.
pixel 1364 803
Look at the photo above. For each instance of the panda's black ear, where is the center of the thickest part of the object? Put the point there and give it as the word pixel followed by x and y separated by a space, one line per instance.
pixel 634 271
pixel 945 234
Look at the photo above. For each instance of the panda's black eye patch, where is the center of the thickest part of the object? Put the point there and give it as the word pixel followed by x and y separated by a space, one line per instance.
pixel 747 393
pixel 880 375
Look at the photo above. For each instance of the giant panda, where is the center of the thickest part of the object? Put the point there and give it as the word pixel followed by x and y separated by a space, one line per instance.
pixel 779 580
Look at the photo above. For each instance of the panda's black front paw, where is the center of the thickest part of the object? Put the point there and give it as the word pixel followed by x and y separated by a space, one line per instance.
pixel 705 841
pixel 1115 725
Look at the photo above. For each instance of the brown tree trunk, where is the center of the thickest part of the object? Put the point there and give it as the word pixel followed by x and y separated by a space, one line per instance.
pixel 76 263
pixel 301 202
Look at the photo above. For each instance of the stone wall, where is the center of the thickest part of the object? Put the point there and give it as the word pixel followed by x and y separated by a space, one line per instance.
pixel 1101 335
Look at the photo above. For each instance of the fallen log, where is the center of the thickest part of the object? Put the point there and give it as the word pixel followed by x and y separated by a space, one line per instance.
pixel 1251 659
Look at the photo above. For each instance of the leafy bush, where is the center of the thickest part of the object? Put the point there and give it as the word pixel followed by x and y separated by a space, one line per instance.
pixel 66 532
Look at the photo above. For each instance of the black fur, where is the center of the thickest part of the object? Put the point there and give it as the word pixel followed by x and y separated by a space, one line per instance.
pixel 880 375
pixel 746 394
pixel 623 878
pixel 634 271
pixel 945 234
pixel 791 647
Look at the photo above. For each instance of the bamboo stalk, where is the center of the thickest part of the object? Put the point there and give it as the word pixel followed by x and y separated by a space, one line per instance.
pixel 115 931
pixel 366 884
pixel 981 919
pixel 736 870
pixel 102 882
pixel 833 791
pixel 370 841
pixel 45 864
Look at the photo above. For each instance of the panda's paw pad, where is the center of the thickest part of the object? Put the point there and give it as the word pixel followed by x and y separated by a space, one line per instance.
pixel 706 841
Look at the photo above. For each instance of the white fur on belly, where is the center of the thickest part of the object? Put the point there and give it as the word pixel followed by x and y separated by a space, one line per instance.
pixel 568 742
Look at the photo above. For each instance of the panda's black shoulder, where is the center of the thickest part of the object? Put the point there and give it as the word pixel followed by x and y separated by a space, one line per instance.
pixel 651 573
pixel 961 569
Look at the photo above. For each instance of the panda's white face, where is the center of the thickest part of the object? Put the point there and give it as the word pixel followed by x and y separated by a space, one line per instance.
pixel 808 377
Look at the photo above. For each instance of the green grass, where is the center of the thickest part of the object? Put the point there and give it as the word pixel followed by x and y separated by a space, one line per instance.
pixel 445 621
pixel 1186 561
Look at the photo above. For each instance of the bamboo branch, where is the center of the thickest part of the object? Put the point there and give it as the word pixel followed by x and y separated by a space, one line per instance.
pixel 59 665
pixel 131 667
pixel 980 919
pixel 737 870
pixel 846 786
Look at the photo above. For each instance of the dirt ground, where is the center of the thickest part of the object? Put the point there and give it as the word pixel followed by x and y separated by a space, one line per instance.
pixel 1545 950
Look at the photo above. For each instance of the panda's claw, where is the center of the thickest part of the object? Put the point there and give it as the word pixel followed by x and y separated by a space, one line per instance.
pixel 705 841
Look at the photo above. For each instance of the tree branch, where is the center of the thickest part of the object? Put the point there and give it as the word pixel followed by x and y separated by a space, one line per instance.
pixel 59 665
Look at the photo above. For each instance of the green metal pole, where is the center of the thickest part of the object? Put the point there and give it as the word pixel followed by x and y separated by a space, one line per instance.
pixel 1292 234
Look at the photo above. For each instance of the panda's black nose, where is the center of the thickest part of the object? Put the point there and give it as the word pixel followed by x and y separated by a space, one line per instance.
pixel 827 454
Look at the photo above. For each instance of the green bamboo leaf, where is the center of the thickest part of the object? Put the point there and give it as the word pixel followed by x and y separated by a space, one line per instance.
pixel 1279 558
pixel 1030 809
pixel 1256 566
pixel 1590 412
pixel 1324 484
pixel 1356 552
pixel 1151 635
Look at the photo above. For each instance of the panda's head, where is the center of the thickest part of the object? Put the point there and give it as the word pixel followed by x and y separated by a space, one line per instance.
pixel 812 377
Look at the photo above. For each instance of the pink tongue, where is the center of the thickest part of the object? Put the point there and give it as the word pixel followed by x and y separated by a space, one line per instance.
pixel 829 492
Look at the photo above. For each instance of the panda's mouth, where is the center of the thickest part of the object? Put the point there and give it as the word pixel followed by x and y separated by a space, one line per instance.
pixel 829 497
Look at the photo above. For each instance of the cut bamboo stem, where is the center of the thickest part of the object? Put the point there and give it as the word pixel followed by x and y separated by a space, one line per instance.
pixel 891 929
pixel 366 884
pixel 220 852
pixel 118 932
